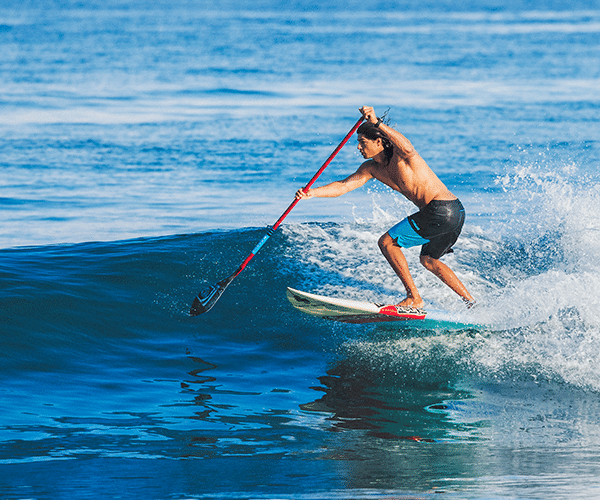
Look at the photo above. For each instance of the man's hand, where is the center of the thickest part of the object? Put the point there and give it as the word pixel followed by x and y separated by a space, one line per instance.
pixel 369 114
pixel 303 195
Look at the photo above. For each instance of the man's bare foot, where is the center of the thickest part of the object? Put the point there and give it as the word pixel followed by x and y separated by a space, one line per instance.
pixel 412 302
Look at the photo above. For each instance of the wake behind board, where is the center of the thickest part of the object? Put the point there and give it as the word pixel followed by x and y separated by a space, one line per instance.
pixel 356 311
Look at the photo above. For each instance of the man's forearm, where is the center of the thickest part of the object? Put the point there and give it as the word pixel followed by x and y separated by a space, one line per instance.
pixel 332 190
pixel 338 188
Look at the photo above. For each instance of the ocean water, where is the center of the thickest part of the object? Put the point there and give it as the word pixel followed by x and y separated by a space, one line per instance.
pixel 145 147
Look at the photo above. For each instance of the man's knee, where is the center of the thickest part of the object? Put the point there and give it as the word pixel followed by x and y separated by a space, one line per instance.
pixel 385 242
pixel 429 263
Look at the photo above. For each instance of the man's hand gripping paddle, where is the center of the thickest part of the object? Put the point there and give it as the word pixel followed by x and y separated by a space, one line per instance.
pixel 207 298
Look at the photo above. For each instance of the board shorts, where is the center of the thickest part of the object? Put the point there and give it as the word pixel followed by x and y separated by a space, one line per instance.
pixel 436 227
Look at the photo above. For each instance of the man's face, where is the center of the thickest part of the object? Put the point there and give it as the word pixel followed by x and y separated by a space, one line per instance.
pixel 369 148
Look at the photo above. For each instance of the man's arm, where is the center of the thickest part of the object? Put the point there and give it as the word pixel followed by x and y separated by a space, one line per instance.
pixel 338 188
pixel 400 142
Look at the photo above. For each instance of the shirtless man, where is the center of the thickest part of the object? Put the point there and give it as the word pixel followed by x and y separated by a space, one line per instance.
pixel 392 159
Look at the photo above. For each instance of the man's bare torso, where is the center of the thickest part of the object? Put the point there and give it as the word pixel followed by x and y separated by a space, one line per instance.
pixel 410 176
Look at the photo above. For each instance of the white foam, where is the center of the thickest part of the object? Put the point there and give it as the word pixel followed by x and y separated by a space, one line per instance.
pixel 534 273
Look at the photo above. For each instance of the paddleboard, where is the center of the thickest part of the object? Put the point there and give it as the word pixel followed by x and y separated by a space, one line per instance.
pixel 358 312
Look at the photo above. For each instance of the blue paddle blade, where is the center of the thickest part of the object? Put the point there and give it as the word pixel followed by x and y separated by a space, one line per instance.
pixel 208 297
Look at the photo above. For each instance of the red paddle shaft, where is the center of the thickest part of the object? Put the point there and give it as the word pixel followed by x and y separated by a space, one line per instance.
pixel 274 227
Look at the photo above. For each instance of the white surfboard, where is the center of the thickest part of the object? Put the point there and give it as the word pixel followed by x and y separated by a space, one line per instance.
pixel 356 311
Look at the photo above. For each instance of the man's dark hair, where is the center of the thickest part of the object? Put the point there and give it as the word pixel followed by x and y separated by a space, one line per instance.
pixel 370 131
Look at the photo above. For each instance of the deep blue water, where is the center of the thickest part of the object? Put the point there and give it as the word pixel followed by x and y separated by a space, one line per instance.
pixel 145 148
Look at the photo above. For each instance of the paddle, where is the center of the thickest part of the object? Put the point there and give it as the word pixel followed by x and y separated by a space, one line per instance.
pixel 207 298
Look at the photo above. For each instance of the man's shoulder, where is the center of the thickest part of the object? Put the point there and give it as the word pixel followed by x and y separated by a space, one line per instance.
pixel 368 166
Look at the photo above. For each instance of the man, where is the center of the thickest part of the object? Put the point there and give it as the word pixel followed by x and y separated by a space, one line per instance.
pixel 392 159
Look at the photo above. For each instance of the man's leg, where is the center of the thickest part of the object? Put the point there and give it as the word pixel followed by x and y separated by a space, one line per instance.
pixel 443 272
pixel 393 253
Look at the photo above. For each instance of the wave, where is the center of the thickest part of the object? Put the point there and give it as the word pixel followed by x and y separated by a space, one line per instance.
pixel 534 275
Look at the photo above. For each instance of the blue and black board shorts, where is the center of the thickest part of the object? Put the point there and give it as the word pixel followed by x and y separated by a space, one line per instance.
pixel 436 227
